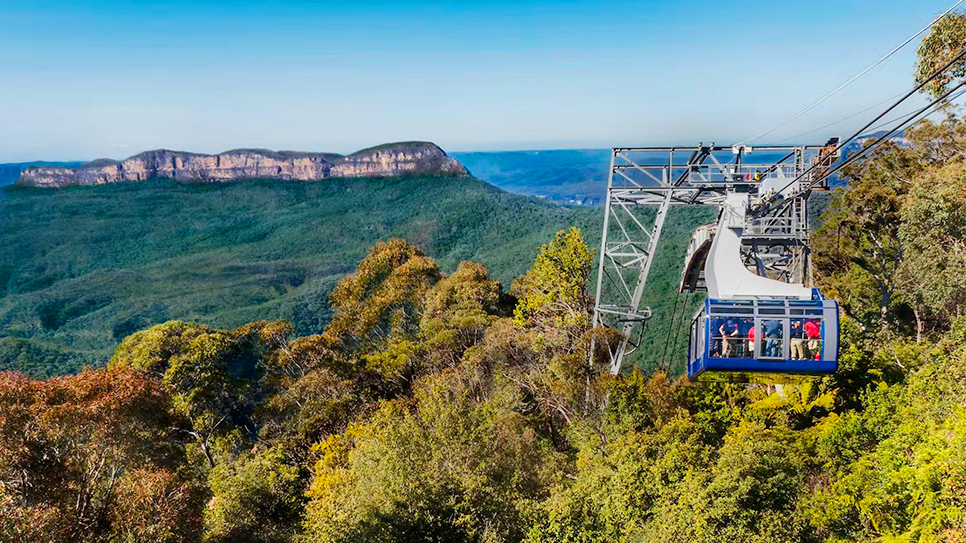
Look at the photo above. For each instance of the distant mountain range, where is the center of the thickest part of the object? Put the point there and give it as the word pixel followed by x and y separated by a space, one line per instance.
pixel 391 159
pixel 9 173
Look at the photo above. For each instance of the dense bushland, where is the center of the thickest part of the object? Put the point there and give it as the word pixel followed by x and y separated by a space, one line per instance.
pixel 81 268
pixel 443 407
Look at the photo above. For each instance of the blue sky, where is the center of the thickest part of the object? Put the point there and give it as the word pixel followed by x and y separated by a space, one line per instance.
pixel 80 80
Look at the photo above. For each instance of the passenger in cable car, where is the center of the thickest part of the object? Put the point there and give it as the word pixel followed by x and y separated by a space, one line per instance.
pixel 813 331
pixel 722 331
pixel 745 327
pixel 716 334
pixel 751 340
pixel 797 334
pixel 729 333
pixel 773 334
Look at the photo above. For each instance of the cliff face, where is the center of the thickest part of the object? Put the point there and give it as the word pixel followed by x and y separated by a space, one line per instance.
pixel 416 158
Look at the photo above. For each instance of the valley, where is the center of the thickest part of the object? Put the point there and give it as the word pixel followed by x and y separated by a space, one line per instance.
pixel 577 176
pixel 83 267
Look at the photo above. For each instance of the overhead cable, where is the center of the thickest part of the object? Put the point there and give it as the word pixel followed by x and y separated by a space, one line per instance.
pixel 934 106
pixel 853 78
pixel 843 119
pixel 862 130
pixel 884 124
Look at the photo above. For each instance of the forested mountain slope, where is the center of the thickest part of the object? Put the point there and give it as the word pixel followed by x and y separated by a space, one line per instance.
pixel 83 267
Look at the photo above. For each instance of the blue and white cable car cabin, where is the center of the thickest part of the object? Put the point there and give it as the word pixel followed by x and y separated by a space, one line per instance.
pixel 760 318
pixel 767 336
pixel 751 323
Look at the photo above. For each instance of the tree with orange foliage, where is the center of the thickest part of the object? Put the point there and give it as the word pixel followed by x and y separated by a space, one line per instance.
pixel 91 457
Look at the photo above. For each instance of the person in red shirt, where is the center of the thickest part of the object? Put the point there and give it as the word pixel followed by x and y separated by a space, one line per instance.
pixel 797 335
pixel 813 331
pixel 751 342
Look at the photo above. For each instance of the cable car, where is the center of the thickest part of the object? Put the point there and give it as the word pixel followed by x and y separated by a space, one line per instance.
pixel 752 323
pixel 761 315
pixel 768 336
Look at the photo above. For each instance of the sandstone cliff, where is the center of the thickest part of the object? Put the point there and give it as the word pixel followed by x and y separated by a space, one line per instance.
pixel 412 158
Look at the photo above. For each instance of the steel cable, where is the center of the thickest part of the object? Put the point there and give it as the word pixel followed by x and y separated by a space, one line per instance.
pixel 765 205
pixel 853 79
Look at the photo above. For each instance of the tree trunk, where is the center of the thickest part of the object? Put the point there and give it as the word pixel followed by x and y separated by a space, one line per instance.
pixel 919 324
pixel 886 293
pixel 553 432
pixel 204 449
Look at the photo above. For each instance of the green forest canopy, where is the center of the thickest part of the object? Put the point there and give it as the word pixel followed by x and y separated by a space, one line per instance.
pixel 446 407
pixel 83 267
pixel 441 407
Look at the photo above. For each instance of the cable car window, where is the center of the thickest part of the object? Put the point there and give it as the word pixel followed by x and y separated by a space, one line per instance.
pixel 797 340
pixel 806 339
pixel 773 338
pixel 698 335
pixel 694 339
pixel 746 331
pixel 728 333
pixel 724 311
pixel 813 338
pixel 712 326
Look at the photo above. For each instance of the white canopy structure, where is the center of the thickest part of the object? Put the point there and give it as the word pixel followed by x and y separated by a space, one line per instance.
pixel 726 275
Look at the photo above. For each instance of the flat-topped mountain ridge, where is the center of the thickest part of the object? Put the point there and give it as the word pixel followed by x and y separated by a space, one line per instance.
pixel 388 160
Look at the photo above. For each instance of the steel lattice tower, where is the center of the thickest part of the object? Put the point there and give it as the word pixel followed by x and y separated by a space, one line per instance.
pixel 644 182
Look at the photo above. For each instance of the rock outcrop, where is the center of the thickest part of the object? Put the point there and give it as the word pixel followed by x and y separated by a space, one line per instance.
pixel 394 159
